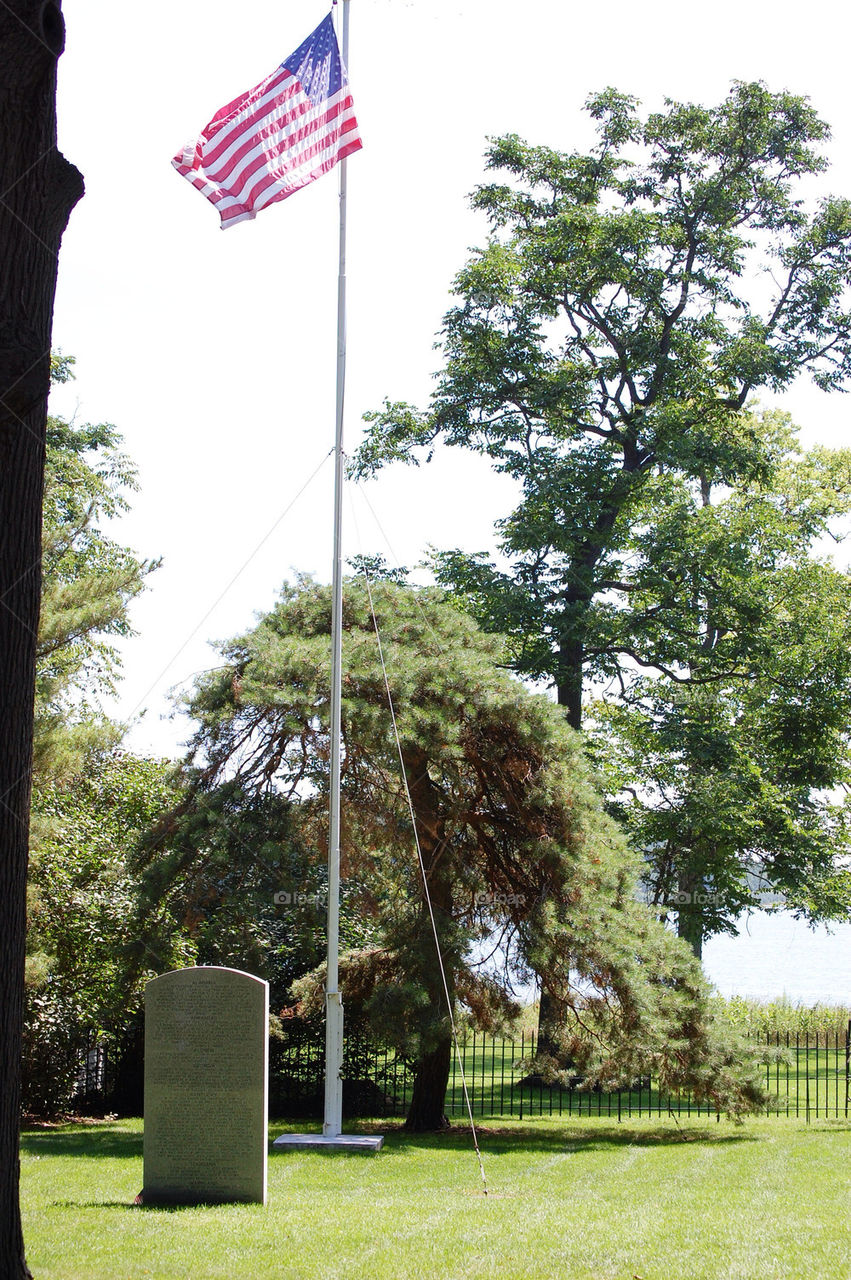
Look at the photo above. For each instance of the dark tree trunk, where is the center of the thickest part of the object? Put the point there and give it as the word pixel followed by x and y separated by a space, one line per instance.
pixel 689 911
pixel 547 1042
pixel 571 657
pixel 428 1098
pixel 431 1074
pixel 572 654
pixel 38 189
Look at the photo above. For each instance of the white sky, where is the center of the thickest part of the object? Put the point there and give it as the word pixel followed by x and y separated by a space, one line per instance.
pixel 214 353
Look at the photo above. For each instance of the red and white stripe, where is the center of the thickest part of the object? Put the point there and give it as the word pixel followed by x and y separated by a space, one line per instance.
pixel 266 144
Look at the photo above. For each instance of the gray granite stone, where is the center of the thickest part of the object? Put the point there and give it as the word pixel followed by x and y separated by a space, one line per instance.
pixel 206 1091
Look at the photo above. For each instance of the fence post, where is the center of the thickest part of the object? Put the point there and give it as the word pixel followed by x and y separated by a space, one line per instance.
pixel 847 1063
pixel 522 1057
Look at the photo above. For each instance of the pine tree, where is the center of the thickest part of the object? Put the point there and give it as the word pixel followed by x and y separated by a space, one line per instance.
pixel 514 839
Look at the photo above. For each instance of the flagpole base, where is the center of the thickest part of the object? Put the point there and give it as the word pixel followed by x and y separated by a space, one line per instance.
pixel 342 1142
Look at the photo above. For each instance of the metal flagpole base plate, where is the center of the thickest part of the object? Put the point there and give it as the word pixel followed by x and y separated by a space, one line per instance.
pixel 343 1141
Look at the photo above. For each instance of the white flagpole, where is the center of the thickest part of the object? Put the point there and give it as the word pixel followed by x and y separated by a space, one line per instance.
pixel 333 1121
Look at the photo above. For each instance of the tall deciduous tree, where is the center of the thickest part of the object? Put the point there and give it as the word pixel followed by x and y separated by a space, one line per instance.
pixel 724 772
pixel 38 189
pixel 615 327
pixel 609 336
pixel 512 834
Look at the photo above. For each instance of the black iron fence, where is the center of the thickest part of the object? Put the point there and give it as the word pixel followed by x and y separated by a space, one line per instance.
pixel 807 1075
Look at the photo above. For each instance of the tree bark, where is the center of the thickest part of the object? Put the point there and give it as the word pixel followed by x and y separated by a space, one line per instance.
pixel 431 1074
pixel 689 911
pixel 428 1098
pixel 38 189
pixel 571 661
pixel 547 1041
pixel 570 665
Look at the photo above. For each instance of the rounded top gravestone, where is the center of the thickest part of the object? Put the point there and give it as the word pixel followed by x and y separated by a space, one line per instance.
pixel 206 1091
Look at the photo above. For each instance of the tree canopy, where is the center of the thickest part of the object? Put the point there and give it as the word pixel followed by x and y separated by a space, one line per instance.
pixel 89 953
pixel 629 303
pixel 727 773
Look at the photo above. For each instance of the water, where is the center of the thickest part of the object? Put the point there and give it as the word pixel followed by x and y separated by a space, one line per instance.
pixel 775 955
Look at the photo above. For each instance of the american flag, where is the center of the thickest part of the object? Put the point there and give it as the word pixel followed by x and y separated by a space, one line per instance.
pixel 274 139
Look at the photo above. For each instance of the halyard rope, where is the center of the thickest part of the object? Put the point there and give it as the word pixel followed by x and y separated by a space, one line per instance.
pixel 458 1057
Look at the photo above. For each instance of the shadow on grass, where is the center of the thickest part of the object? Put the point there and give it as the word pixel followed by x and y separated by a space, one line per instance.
pixel 99 1204
pixel 111 1142
pixel 504 1141
pixel 826 1126
pixel 150 1208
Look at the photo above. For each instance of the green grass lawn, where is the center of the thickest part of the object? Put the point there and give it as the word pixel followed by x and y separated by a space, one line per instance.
pixel 570 1200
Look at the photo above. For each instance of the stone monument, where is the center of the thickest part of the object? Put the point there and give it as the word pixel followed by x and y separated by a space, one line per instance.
pixel 206 1087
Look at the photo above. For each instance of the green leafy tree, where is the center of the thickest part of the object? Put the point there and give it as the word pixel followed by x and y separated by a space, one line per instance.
pixel 604 351
pixel 613 330
pixel 88 582
pixel 513 838
pixel 88 958
pixel 726 766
